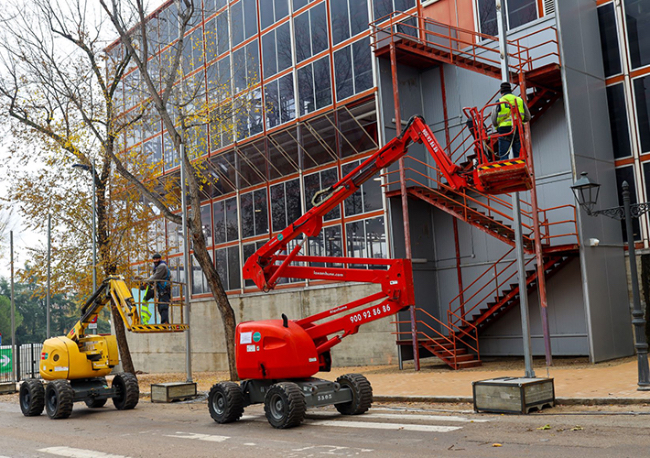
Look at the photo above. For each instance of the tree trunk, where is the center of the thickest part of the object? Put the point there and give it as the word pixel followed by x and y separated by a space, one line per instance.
pixel 219 294
pixel 110 268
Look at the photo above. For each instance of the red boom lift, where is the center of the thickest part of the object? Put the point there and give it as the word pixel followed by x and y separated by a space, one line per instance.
pixel 277 358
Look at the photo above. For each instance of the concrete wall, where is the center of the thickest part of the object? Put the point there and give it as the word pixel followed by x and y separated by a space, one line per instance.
pixel 374 344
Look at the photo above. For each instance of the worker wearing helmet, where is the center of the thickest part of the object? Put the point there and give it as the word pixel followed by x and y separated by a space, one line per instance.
pixel 502 119
pixel 161 279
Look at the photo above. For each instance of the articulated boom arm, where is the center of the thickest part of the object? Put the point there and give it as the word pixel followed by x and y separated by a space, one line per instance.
pixel 262 266
pixel 112 289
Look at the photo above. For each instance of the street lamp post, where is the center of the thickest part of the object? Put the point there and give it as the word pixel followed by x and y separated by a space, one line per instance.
pixel 586 193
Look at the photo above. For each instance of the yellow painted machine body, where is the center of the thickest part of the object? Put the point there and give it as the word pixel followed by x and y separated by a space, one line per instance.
pixel 93 356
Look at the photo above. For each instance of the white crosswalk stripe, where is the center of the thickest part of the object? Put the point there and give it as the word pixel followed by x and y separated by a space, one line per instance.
pixel 388 426
pixel 78 453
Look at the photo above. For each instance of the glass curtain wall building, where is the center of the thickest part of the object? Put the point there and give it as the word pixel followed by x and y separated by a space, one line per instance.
pixel 307 72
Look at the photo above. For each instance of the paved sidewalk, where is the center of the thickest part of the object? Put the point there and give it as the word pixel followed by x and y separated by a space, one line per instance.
pixel 613 382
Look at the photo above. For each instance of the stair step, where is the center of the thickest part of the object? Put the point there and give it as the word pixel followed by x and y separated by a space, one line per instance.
pixel 468 364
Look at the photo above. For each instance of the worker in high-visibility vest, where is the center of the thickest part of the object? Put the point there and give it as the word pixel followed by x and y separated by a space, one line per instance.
pixel 502 119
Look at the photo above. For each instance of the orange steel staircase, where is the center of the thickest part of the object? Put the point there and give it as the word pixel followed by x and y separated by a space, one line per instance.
pixel 420 42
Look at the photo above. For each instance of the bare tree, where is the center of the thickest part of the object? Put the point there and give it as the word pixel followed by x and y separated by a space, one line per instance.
pixel 58 91
pixel 184 109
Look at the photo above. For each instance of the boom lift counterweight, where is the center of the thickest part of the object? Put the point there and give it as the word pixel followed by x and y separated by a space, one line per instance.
pixel 278 358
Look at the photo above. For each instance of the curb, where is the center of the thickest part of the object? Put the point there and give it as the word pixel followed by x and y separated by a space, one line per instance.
pixel 470 400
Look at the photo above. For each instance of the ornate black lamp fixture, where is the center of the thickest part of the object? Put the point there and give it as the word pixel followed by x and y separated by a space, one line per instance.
pixel 586 193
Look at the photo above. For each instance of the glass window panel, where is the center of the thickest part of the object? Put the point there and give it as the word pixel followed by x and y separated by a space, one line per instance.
pixel 253 63
pixel 266 13
pixel 234 269
pixel 318 29
pixel 382 8
pixel 521 12
pixel 287 98
pixel 637 18
pixel 261 212
pixel 354 233
pixel 322 79
pixel 642 98
pixel 301 30
pixel 197 280
pixel 247 215
pixel 609 39
pixel 210 40
pixel 306 90
pixel 353 205
pixel 618 121
pixel 376 238
pixel 362 65
pixel 206 223
pixel 272 102
pixel 358 16
pixel 250 17
pixel 281 9
pixel 343 73
pixel 333 243
pixel 219 222
pixel 232 229
pixel 283 36
pixel 221 264
pixel 222 32
pixel 236 24
pixel 294 209
pixel 330 177
pixel 239 69
pixel 627 174
pixel 487 13
pixel 278 207
pixel 268 55
pixel 249 250
pixel 340 20
pixel 297 4
pixel 317 248
pixel 646 179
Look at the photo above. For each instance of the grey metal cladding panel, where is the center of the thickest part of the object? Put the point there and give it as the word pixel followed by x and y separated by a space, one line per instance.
pixel 426 292
pixel 569 14
pixel 422 230
pixel 550 137
pixel 409 92
pixel 432 98
pixel 566 312
pixel 577 94
pixel 611 327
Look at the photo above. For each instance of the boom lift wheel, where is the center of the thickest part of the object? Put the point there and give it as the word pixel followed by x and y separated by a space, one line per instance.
pixel 284 405
pixel 32 397
pixel 361 394
pixel 226 402
pixel 127 391
pixel 59 397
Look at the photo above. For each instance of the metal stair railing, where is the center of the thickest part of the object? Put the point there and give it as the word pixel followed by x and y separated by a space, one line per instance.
pixel 460 46
pixel 447 354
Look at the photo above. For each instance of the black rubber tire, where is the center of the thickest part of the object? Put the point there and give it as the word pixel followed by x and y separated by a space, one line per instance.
pixel 128 391
pixel 59 398
pixel 32 397
pixel 284 405
pixel 95 403
pixel 361 394
pixel 226 402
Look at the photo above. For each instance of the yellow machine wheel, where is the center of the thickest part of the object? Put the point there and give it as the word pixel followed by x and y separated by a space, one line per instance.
pixel 59 397
pixel 127 391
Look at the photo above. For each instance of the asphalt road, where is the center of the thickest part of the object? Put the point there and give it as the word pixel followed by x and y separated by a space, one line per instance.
pixel 390 430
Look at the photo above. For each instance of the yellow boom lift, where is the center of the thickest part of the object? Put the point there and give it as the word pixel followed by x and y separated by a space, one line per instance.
pixel 75 365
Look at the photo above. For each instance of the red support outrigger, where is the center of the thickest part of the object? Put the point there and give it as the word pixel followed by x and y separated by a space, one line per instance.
pixel 277 358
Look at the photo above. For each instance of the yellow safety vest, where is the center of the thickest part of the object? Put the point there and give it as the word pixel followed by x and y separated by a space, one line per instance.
pixel 504 119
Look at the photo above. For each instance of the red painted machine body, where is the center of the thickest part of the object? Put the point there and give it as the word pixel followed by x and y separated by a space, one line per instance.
pixel 268 350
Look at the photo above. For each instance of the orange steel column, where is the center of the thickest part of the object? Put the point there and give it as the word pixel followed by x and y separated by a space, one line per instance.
pixel 404 195
pixel 539 255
